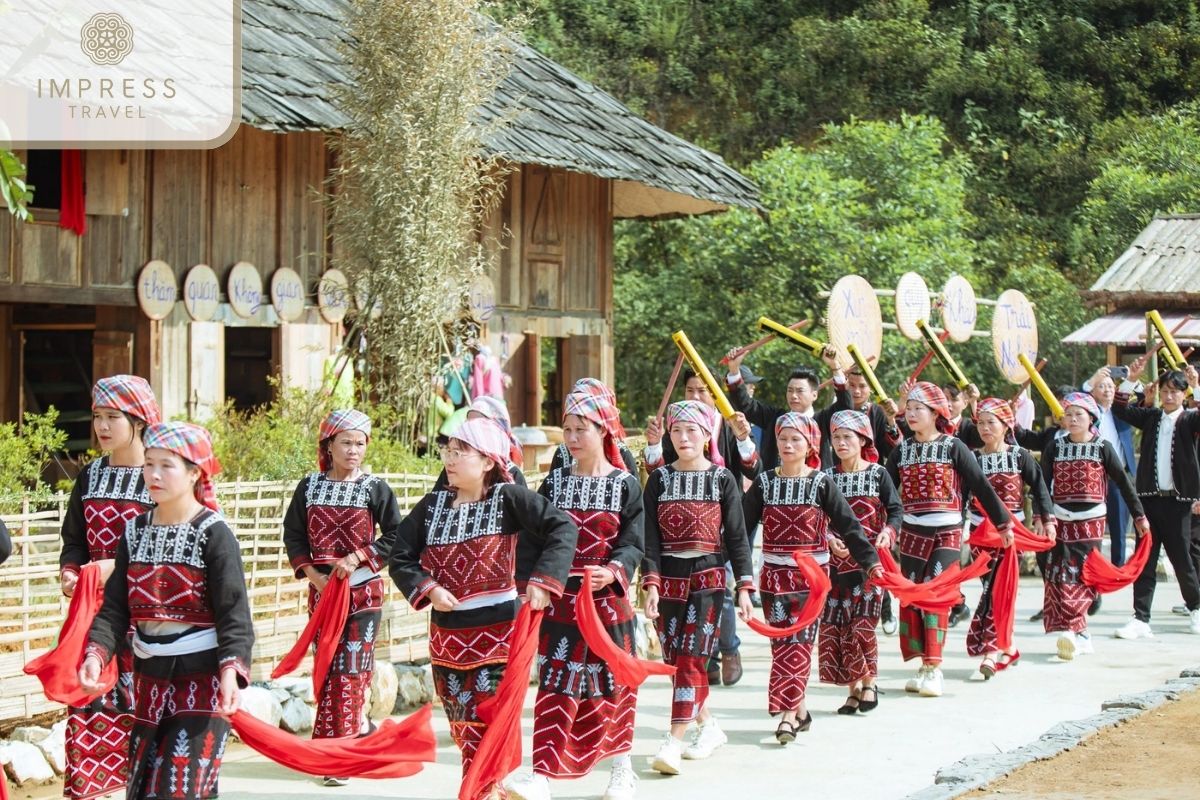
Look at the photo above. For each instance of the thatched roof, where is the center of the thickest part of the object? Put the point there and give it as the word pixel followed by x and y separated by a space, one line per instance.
pixel 290 64
pixel 1160 269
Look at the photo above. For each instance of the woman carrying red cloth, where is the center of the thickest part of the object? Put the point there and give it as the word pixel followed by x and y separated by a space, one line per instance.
pixel 466 551
pixel 801 509
pixel 849 649
pixel 108 493
pixel 1078 467
pixel 493 408
pixel 178 577
pixel 1009 468
pixel 933 471
pixel 342 521
pixel 694 524
pixel 582 715
pixel 562 454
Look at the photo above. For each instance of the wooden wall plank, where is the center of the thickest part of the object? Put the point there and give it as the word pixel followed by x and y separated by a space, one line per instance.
pixel 178 210
pixel 103 254
pixel 301 212
pixel 106 181
pixel 6 248
pixel 47 254
pixel 244 202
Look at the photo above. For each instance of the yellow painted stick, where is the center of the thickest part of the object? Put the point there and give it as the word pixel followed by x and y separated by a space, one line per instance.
pixel 943 355
pixel 1174 355
pixel 784 332
pixel 698 366
pixel 867 372
pixel 1039 383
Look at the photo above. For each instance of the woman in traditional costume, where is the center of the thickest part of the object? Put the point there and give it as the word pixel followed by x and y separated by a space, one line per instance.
pixel 493 408
pixel 342 521
pixel 466 551
pixel 108 493
pixel 562 455
pixel 178 577
pixel 849 648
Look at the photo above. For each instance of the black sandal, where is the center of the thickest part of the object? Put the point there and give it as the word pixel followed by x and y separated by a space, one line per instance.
pixel 786 732
pixel 847 709
pixel 805 723
pixel 867 705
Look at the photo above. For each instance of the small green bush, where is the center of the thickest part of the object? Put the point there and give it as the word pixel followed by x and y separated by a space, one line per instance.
pixel 23 455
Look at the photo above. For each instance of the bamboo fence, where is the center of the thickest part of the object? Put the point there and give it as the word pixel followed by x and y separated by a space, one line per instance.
pixel 32 606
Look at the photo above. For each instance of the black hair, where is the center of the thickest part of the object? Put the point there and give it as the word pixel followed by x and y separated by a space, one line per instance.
pixel 1064 390
pixel 805 374
pixel 951 391
pixel 1173 378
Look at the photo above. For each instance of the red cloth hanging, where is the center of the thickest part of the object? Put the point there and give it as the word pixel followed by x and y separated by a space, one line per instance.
pixel 1004 587
pixel 58 668
pixel 499 751
pixel 72 215
pixel 628 670
pixel 1102 575
pixel 936 595
pixel 393 750
pixel 819 585
pixel 329 617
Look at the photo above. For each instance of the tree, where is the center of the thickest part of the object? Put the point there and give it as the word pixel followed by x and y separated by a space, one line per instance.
pixel 17 194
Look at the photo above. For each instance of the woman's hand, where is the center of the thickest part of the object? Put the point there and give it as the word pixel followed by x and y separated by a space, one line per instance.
pixel 651 606
pixel 884 540
pixel 599 578
pixel 442 600
pixel 107 565
pixel 317 578
pixel 69 580
pixel 1050 530
pixel 874 574
pixel 346 565
pixel 654 432
pixel 89 673
pixel 537 597
pixel 229 697
pixel 1143 526
pixel 745 607
pixel 838 548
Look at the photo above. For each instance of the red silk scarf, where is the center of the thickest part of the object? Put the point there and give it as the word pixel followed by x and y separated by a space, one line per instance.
pixel 329 617
pixel 1102 575
pixel 936 595
pixel 628 670
pixel 58 668
pixel 819 585
pixel 1004 587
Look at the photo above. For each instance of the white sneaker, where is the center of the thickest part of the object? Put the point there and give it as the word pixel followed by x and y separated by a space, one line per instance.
pixel 1194 621
pixel 913 684
pixel 669 757
pixel 1134 629
pixel 622 781
pixel 528 786
pixel 1180 610
pixel 1066 645
pixel 708 738
pixel 1083 644
pixel 933 683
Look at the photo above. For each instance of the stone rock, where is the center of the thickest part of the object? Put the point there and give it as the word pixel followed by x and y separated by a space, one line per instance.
pixel 1143 701
pixel 298 716
pixel 29 733
pixel 281 693
pixel 384 685
pixel 25 763
pixel 261 704
pixel 414 687
pixel 54 747
pixel 1191 672
pixel 299 687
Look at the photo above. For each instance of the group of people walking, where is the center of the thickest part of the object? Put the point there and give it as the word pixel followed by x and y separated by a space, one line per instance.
pixel 834 491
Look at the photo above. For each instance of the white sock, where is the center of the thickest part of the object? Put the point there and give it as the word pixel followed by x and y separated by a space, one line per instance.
pixel 623 761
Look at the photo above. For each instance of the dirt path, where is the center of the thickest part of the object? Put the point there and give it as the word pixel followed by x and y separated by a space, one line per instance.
pixel 1156 756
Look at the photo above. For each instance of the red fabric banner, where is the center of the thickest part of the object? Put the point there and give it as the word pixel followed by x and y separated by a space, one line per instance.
pixel 499 751
pixel 58 668
pixel 1103 576
pixel 72 215
pixel 628 670
pixel 329 617
pixel 393 750
pixel 936 595
pixel 819 585
pixel 1004 588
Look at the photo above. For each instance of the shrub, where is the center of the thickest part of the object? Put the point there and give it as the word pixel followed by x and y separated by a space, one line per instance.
pixel 23 455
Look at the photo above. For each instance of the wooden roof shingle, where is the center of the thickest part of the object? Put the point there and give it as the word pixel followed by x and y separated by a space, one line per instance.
pixel 291 64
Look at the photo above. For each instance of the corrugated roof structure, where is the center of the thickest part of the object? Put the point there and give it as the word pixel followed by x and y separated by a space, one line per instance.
pixel 1160 269
pixel 291 64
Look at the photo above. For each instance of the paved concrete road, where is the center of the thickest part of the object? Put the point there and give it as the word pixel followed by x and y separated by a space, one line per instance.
pixel 894 750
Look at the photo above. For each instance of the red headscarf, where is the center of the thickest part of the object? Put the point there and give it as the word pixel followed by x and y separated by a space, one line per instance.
pixel 496 410
pixel 596 408
pixel 808 428
pixel 190 442
pixel 859 423
pixel 930 394
pixel 488 438
pixel 129 394
pixel 702 415
pixel 598 387
pixel 1001 410
pixel 339 421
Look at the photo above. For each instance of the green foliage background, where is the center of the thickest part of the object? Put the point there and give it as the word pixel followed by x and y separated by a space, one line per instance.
pixel 1023 144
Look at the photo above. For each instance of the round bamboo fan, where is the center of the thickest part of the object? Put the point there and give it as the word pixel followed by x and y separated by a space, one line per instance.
pixel 912 304
pixel 853 317
pixel 1014 331
pixel 959 310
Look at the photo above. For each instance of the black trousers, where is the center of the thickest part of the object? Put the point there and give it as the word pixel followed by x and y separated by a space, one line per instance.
pixel 1194 545
pixel 1170 527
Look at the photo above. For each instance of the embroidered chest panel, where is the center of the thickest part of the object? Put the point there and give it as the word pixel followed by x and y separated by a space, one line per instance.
pixel 1079 475
pixel 792 518
pixel 928 481
pixel 594 504
pixel 467 549
pixel 111 497
pixel 167 573
pixel 339 516
pixel 861 490
pixel 1003 472
pixel 689 510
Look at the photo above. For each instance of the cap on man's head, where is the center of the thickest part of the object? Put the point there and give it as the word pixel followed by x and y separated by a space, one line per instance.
pixel 748 376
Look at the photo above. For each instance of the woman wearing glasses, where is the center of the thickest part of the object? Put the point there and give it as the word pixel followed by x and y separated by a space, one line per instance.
pixel 331 528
